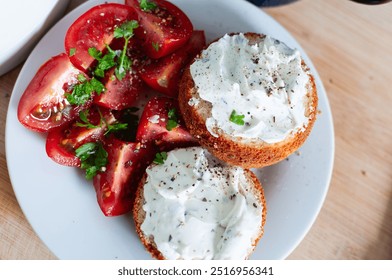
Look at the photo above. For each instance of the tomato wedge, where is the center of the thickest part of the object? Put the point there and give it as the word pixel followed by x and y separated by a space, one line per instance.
pixel 94 29
pixel 162 125
pixel 62 142
pixel 116 186
pixel 162 29
pixel 43 105
pixel 120 94
pixel 164 74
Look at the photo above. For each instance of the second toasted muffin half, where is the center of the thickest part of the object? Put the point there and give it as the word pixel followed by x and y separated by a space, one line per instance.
pixel 249 99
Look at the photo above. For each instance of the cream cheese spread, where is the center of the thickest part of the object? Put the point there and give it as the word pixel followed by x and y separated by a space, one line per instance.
pixel 200 208
pixel 264 83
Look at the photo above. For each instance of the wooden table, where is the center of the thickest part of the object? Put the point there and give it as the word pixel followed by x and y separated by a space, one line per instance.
pixel 351 47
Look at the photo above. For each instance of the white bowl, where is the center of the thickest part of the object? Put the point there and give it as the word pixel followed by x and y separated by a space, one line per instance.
pixel 22 23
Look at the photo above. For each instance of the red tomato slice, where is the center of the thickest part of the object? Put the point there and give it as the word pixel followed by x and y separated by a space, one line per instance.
pixel 120 94
pixel 94 29
pixel 153 125
pixel 164 74
pixel 43 105
pixel 116 186
pixel 163 29
pixel 61 153
pixel 62 142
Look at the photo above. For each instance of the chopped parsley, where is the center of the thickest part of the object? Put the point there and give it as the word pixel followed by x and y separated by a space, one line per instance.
pixel 115 57
pixel 95 53
pixel 160 157
pixel 146 5
pixel 155 46
pixel 116 127
pixel 237 119
pixel 82 78
pixel 172 119
pixel 104 62
pixel 125 31
pixel 82 92
pixel 83 115
pixel 93 158
pixel 72 51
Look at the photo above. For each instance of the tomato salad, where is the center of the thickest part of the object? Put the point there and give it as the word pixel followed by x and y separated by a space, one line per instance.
pixel 86 99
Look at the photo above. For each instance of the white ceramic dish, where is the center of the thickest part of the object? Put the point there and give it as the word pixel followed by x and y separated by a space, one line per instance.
pixel 22 23
pixel 61 205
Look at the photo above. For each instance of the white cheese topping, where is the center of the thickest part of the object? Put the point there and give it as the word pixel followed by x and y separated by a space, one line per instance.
pixel 199 208
pixel 264 82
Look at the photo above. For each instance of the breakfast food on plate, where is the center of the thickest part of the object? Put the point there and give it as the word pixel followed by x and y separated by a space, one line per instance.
pixel 191 205
pixel 249 99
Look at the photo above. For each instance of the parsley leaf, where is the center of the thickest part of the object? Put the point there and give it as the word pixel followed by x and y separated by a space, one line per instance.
pixel 82 78
pixel 160 157
pixel 104 62
pixel 85 122
pixel 111 127
pixel 116 127
pixel 172 119
pixel 95 53
pixel 125 31
pixel 83 115
pixel 171 124
pixel 237 119
pixel 122 69
pixel 155 46
pixel 115 58
pixel 146 5
pixel 93 158
pixel 72 51
pixel 81 93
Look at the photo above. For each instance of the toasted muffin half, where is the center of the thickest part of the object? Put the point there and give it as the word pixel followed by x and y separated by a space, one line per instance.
pixel 194 206
pixel 249 99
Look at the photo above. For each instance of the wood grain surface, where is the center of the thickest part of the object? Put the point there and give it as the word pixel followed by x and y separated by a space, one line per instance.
pixel 351 46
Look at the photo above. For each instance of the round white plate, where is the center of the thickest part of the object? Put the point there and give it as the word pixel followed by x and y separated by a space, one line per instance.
pixel 61 205
pixel 22 24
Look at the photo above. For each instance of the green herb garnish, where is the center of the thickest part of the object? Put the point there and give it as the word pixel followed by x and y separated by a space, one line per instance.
pixel 82 92
pixel 83 115
pixel 81 78
pixel 111 127
pixel 237 119
pixel 85 122
pixel 172 119
pixel 155 46
pixel 116 127
pixel 115 58
pixel 93 158
pixel 125 31
pixel 72 51
pixel 146 5
pixel 104 62
pixel 160 157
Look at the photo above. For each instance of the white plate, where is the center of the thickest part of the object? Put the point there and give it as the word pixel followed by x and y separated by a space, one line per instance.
pixel 61 205
pixel 22 24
